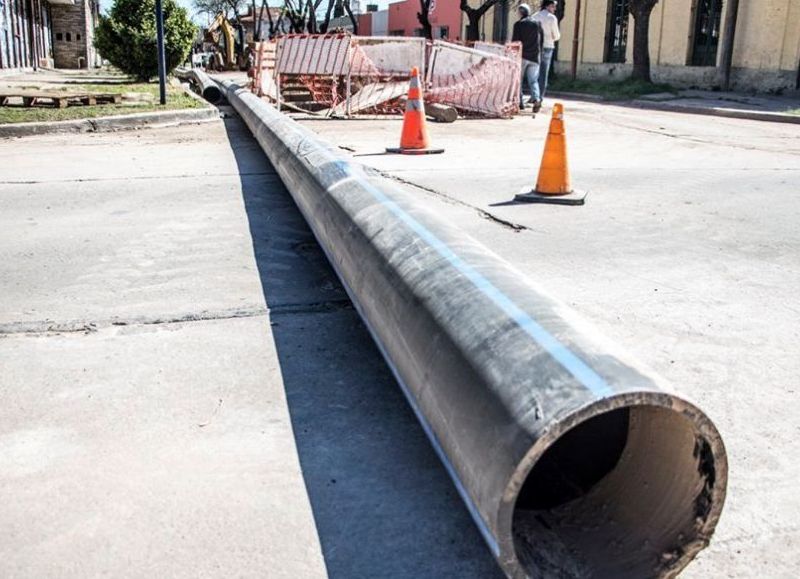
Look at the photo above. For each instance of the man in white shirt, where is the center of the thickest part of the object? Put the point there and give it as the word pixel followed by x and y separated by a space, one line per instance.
pixel 547 17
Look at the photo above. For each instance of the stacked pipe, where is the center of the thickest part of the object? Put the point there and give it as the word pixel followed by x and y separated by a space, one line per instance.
pixel 572 459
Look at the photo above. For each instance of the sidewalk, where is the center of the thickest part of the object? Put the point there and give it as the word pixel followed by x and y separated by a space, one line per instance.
pixel 773 108
pixel 784 109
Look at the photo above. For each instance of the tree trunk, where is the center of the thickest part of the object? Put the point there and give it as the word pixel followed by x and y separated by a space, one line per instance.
pixel 265 6
pixel 422 17
pixel 256 23
pixel 353 19
pixel 312 18
pixel 474 16
pixel 473 27
pixel 327 22
pixel 641 11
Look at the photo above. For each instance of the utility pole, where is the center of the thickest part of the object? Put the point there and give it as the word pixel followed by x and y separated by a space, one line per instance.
pixel 728 36
pixel 162 62
pixel 575 40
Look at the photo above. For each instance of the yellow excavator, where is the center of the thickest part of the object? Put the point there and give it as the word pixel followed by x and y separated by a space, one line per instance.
pixel 223 25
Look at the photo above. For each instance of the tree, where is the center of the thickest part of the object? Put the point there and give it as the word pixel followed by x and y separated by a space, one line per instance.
pixel 127 36
pixel 302 15
pixel 353 19
pixel 326 23
pixel 424 18
pixel 641 10
pixel 474 16
pixel 274 24
pixel 230 8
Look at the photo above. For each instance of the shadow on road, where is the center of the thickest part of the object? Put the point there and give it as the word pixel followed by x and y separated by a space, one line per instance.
pixel 383 504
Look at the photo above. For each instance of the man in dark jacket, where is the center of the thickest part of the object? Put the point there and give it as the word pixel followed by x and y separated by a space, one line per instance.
pixel 529 32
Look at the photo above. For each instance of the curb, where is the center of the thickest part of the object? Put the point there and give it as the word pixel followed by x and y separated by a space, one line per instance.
pixel 718 112
pixel 577 96
pixel 109 124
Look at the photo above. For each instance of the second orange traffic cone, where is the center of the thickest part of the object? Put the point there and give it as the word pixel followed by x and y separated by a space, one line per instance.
pixel 553 184
pixel 414 138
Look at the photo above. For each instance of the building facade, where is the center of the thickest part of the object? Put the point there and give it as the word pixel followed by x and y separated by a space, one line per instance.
pixel 25 39
pixel 686 41
pixel 73 34
pixel 380 23
pixel 48 33
pixel 261 23
pixel 445 17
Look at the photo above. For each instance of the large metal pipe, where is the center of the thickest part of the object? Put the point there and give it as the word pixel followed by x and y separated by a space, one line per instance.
pixel 573 461
pixel 206 87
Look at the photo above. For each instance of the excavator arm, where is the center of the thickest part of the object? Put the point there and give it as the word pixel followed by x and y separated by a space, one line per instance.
pixel 221 23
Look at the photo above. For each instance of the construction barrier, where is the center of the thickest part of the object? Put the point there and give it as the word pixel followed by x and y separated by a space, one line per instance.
pixel 379 72
pixel 264 70
pixel 347 75
pixel 475 81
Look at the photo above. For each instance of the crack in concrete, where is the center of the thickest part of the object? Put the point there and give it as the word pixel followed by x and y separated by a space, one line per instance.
pixel 46 327
pixel 139 178
pixel 516 227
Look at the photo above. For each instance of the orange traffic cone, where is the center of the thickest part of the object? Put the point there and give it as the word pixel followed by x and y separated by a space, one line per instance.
pixel 414 138
pixel 553 184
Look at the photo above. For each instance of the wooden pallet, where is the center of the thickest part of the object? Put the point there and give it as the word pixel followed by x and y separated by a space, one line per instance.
pixel 60 100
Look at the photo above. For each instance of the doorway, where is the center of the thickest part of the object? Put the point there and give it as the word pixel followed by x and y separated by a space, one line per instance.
pixel 706 32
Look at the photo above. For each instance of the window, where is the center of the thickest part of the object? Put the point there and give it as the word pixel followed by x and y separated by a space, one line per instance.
pixel 59 36
pixel 77 36
pixel 617 35
pixel 706 32
pixel 69 37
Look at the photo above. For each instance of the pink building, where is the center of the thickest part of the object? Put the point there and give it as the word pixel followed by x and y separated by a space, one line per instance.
pixel 445 17
pixel 365 24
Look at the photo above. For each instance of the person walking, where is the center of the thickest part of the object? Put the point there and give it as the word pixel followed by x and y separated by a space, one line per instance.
pixel 530 33
pixel 547 18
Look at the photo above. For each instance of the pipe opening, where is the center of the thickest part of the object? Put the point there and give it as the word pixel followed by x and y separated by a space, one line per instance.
pixel 623 495
pixel 212 94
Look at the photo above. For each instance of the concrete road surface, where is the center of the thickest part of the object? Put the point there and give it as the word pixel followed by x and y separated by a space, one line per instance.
pixel 687 253
pixel 185 390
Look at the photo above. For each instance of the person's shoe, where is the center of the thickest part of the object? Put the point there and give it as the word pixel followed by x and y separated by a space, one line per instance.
pixel 537 106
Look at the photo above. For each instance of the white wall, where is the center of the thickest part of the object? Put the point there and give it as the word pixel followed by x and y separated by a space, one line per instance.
pixel 380 23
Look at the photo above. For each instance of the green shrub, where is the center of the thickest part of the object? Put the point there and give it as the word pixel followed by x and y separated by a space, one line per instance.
pixel 126 37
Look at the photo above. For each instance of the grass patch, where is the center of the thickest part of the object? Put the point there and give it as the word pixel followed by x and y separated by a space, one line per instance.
pixel 616 90
pixel 146 100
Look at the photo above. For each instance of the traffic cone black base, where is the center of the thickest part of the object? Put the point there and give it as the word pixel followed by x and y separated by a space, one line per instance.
pixel 402 151
pixel 571 198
